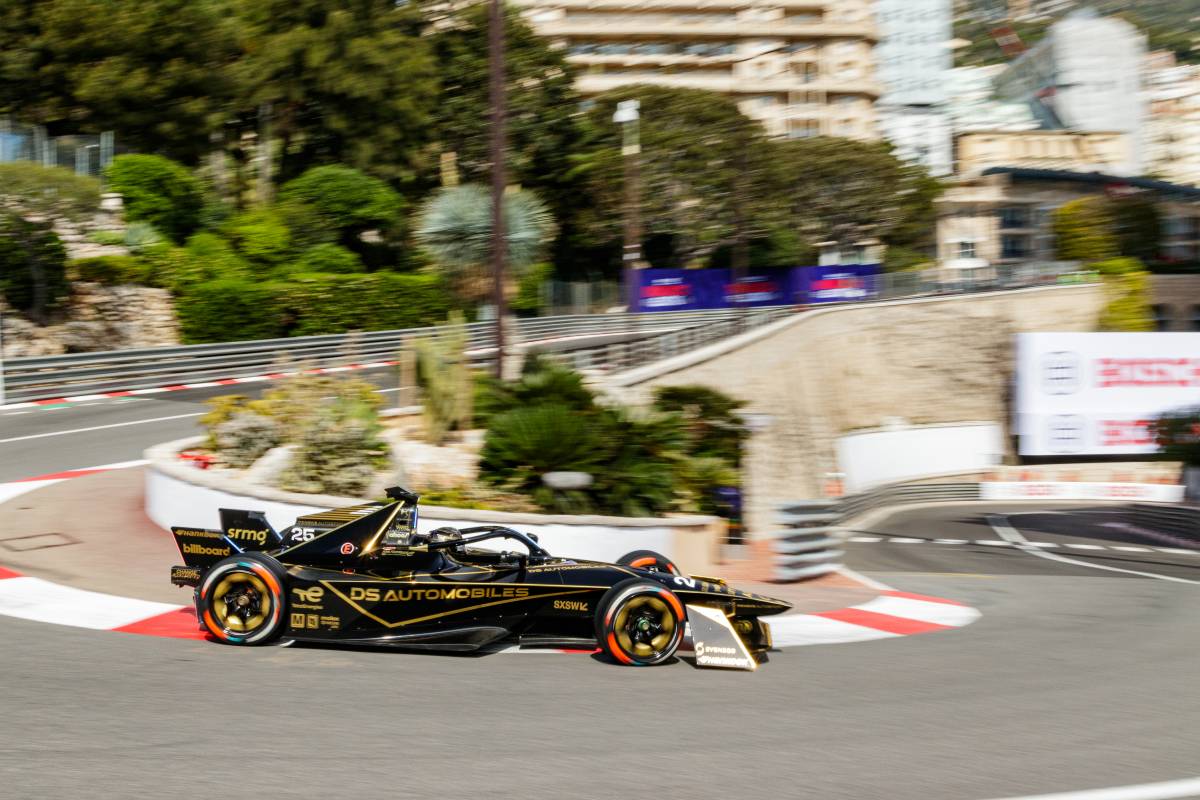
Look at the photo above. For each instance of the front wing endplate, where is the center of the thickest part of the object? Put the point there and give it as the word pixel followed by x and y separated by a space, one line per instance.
pixel 715 642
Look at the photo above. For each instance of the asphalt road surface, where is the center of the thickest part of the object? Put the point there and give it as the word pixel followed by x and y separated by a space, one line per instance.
pixel 1075 678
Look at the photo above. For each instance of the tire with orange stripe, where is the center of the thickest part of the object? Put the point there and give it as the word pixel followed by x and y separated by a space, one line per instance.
pixel 242 600
pixel 639 623
pixel 648 559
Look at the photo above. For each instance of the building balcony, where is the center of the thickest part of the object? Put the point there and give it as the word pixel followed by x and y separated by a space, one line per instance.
pixel 724 82
pixel 814 6
pixel 624 27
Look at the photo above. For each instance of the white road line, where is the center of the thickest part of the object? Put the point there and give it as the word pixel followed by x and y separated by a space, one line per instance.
pixel 99 427
pixel 865 538
pixel 1000 526
pixel 1167 790
pixel 949 541
pixel 907 540
pixel 1129 549
pixel 863 579
pixel 993 543
pixel 1079 546
pixel 1179 551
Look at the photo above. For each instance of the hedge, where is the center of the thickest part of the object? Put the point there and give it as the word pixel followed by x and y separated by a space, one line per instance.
pixel 308 305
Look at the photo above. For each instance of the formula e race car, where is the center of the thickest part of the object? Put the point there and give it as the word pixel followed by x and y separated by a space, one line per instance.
pixel 365 575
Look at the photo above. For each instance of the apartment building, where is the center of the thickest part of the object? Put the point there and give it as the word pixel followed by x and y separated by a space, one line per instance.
pixel 1172 93
pixel 803 67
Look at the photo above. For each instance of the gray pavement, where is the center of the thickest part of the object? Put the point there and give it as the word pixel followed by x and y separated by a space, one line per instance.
pixel 1072 679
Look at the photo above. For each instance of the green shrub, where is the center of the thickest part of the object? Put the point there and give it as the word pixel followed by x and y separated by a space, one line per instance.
pixel 334 458
pixel 111 270
pixel 109 238
pixel 142 236
pixel 261 236
pixel 345 198
pixel 1128 307
pixel 523 444
pixel 711 419
pixel 530 285
pixel 32 265
pixel 216 257
pixel 1178 435
pixel 158 191
pixel 307 226
pixel 299 401
pixel 328 258
pixel 229 310
pixel 220 410
pixel 543 382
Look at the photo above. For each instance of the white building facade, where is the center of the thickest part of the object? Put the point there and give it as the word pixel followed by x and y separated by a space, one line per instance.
pixel 913 58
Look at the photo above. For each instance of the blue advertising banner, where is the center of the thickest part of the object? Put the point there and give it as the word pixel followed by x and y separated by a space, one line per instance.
pixel 695 289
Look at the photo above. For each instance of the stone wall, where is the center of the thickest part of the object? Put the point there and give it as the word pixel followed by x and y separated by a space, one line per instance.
pixel 97 318
pixel 809 379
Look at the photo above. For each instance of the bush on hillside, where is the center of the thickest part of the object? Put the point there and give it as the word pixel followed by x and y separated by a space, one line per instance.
pixel 158 191
pixel 110 270
pixel 216 256
pixel 261 236
pixel 231 309
pixel 348 200
pixel 328 258
pixel 32 265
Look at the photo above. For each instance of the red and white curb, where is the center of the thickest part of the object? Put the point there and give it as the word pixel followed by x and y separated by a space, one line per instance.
pixel 892 614
pixel 179 387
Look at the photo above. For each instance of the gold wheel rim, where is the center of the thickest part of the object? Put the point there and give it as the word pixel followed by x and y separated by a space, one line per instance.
pixel 644 626
pixel 241 602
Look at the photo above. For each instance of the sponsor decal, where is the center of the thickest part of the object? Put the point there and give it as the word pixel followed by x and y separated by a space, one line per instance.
pixel 347 548
pixel 197 534
pixel 256 536
pixel 332 623
pixel 711 655
pixel 458 593
pixel 680 580
pixel 201 550
pixel 302 536
pixel 570 605
pixel 314 595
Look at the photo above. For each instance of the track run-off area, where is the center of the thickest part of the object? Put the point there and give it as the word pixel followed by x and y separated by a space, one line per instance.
pixel 1078 680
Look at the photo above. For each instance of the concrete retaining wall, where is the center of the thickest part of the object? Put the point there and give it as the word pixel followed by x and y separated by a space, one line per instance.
pixel 809 379
pixel 183 495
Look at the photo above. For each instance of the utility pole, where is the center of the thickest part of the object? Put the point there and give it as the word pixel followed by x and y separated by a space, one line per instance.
pixel 628 115
pixel 497 147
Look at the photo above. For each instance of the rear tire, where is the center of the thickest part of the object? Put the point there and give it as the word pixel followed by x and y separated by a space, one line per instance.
pixel 648 559
pixel 243 599
pixel 639 623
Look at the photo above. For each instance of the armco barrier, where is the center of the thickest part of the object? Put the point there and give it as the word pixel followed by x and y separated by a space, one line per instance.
pixel 1179 520
pixel 810 544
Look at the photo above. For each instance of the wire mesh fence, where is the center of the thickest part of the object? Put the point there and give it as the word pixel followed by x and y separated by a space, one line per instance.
pixel 84 154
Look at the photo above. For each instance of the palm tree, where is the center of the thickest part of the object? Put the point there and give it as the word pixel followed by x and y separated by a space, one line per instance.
pixel 455 227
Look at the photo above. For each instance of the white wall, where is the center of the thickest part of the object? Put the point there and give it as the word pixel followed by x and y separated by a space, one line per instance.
pixel 173 501
pixel 872 458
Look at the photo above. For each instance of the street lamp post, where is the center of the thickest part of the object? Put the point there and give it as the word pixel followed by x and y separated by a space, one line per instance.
pixel 497 147
pixel 628 115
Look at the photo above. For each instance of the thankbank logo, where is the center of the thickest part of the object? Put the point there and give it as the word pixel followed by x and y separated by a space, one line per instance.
pixel 1061 372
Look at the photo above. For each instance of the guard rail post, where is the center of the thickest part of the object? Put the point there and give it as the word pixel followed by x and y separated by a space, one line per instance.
pixel 810 544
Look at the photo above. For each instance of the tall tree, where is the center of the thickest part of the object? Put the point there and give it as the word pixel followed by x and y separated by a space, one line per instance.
pixel 155 71
pixel 846 191
pixel 705 171
pixel 348 81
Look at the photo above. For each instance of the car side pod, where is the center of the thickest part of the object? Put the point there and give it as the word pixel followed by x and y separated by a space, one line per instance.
pixel 714 641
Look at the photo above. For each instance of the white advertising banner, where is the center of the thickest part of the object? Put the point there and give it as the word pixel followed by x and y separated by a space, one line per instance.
pixel 1066 490
pixel 1097 393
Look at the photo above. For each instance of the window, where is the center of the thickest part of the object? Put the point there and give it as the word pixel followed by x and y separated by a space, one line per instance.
pixel 1162 317
pixel 1014 217
pixel 966 250
pixel 1014 246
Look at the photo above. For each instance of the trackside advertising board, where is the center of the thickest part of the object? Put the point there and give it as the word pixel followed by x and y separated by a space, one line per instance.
pixel 695 289
pixel 1097 393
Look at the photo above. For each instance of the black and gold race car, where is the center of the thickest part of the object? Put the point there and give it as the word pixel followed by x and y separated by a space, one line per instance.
pixel 364 575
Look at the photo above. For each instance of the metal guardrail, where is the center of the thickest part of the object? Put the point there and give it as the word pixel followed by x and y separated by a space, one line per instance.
pixel 1182 521
pixel 810 544
pixel 150 367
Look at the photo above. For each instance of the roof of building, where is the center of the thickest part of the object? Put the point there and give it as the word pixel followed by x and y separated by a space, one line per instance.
pixel 1097 178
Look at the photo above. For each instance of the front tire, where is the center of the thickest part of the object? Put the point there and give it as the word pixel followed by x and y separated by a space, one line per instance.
pixel 242 599
pixel 648 559
pixel 639 623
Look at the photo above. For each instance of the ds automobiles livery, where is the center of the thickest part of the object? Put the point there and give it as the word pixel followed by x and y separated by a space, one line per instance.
pixel 365 575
